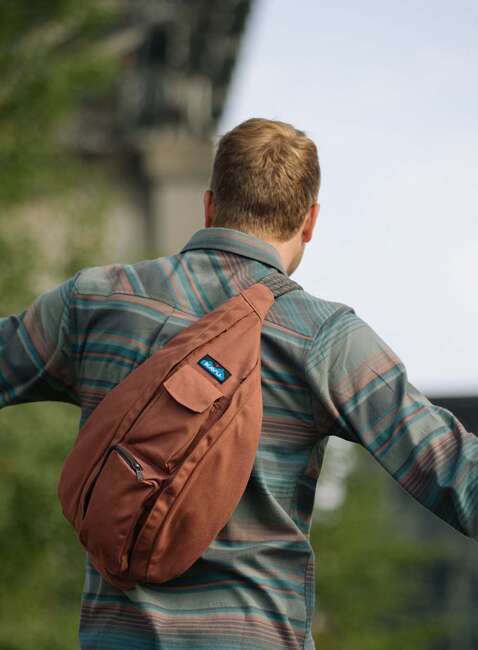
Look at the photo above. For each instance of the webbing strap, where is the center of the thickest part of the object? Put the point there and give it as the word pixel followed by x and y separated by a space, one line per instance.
pixel 279 283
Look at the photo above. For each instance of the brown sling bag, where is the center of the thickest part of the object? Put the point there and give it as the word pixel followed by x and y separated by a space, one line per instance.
pixel 162 462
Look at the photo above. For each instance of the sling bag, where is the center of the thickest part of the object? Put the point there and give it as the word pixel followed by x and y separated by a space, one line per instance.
pixel 161 464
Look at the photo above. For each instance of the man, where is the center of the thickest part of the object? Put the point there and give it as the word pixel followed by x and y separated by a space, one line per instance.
pixel 324 372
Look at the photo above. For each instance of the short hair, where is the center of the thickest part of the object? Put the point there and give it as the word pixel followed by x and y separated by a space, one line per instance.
pixel 265 177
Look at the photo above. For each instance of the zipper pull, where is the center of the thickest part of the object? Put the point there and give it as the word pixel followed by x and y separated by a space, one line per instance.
pixel 131 460
pixel 139 471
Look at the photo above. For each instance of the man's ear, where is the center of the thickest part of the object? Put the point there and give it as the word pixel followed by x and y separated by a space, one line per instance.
pixel 310 221
pixel 208 203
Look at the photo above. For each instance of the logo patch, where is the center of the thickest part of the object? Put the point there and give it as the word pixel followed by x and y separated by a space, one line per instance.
pixel 214 368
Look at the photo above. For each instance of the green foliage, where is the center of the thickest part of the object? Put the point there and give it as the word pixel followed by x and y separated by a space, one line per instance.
pixel 42 562
pixel 371 590
pixel 51 63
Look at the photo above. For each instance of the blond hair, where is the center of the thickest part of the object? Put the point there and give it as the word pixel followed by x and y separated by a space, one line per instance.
pixel 265 177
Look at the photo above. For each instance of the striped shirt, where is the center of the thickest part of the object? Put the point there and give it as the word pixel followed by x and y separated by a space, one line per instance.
pixel 324 372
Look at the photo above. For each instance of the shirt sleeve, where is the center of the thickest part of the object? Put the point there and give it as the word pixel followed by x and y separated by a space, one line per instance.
pixel 360 392
pixel 36 361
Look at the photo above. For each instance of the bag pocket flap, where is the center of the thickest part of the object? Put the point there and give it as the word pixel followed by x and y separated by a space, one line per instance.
pixel 191 388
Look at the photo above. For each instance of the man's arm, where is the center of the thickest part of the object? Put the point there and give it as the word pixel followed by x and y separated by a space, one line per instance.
pixel 35 355
pixel 361 393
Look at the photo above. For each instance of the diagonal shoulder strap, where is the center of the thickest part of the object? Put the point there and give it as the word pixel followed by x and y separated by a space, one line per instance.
pixel 279 283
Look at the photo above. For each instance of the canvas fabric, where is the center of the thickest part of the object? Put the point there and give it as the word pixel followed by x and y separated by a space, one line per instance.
pixel 162 462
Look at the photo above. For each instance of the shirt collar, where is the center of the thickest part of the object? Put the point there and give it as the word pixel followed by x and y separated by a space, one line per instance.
pixel 236 241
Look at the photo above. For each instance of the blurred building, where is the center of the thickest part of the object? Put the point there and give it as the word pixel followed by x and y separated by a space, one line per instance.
pixel 154 133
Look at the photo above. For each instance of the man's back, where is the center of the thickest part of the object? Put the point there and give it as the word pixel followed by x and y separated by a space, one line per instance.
pixel 254 586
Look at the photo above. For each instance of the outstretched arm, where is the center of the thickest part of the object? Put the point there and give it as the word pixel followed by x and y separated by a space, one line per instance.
pixel 35 355
pixel 361 393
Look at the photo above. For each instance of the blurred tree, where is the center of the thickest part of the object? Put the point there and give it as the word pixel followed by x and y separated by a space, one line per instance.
pixel 51 62
pixel 371 592
pixel 41 560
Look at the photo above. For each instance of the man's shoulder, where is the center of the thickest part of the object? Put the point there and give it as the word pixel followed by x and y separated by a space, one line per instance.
pixel 305 313
pixel 102 280
pixel 116 278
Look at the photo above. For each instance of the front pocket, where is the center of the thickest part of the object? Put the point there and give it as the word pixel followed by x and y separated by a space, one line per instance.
pixel 183 407
pixel 118 500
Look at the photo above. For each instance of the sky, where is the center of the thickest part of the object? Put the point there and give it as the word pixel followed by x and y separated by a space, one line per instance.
pixel 388 91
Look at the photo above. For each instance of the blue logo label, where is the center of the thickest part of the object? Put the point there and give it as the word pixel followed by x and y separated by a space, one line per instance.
pixel 214 368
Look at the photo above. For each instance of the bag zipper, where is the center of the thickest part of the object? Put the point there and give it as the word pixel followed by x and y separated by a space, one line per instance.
pixel 131 460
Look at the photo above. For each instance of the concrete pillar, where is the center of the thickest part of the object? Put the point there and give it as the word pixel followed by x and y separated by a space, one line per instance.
pixel 178 167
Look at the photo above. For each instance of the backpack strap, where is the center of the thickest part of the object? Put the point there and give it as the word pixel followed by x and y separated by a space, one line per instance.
pixel 279 283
